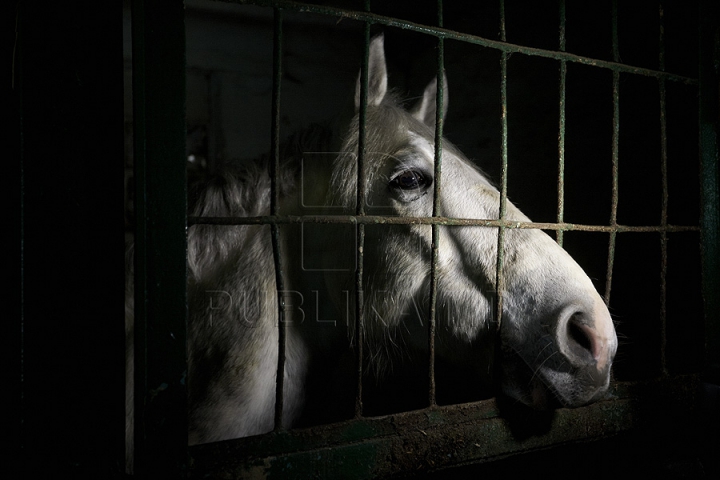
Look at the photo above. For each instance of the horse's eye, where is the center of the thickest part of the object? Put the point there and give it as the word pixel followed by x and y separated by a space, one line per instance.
pixel 409 180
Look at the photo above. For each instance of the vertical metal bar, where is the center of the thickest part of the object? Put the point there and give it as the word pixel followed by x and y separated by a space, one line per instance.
pixel 499 280
pixel 561 128
pixel 362 119
pixel 664 208
pixel 710 178
pixel 360 210
pixel 274 206
pixel 503 35
pixel 160 239
pixel 359 319
pixel 615 153
pixel 437 188
pixel 432 327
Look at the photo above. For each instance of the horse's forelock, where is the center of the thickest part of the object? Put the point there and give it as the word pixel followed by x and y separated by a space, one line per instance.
pixel 387 130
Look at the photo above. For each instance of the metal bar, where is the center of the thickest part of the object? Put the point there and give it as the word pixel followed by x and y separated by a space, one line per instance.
pixel 499 280
pixel 710 178
pixel 359 320
pixel 274 207
pixel 561 128
pixel 664 208
pixel 439 120
pixel 448 221
pixel 432 324
pixel 474 39
pixel 360 211
pixel 160 242
pixel 362 123
pixel 417 441
pixel 503 33
pixel 615 153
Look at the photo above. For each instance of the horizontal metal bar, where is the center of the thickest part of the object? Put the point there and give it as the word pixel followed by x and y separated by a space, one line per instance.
pixel 446 221
pixel 474 39
pixel 418 441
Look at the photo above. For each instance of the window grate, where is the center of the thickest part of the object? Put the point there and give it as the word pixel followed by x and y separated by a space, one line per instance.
pixel 364 439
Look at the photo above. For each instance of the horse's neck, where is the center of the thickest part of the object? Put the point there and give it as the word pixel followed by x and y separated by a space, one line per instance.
pixel 310 250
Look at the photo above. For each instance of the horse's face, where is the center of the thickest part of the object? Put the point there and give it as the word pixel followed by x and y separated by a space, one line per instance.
pixel 557 335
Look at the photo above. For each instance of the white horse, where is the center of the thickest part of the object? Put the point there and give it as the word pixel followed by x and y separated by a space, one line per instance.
pixel 558 340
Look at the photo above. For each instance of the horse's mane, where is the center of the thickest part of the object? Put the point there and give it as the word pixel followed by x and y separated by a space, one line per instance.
pixel 244 190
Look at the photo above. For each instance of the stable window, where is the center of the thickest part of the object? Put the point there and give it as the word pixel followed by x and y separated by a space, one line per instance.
pixel 587 119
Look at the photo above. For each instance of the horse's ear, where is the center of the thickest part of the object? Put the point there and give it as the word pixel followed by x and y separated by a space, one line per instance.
pixel 426 108
pixel 377 74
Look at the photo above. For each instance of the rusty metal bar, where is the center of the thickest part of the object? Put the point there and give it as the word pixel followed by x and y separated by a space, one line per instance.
pixel 499 280
pixel 424 441
pixel 360 211
pixel 664 208
pixel 561 128
pixel 474 39
pixel 447 221
pixel 274 207
pixel 359 320
pixel 432 323
pixel 615 153
pixel 362 121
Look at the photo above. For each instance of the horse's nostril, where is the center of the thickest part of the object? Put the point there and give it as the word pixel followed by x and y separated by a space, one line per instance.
pixel 578 335
pixel 579 341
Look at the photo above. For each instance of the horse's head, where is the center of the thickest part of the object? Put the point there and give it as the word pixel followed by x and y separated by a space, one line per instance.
pixel 558 340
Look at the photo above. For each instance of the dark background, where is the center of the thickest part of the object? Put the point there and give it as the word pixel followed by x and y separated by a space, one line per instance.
pixel 64 361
